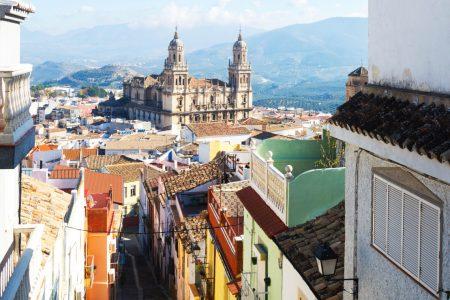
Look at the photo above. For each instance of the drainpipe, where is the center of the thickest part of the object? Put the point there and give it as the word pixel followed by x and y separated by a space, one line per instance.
pixel 355 223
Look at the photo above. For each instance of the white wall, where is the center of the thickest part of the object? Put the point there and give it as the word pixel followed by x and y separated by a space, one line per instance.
pixel 293 284
pixel 409 44
pixel 10 45
pixel 9 205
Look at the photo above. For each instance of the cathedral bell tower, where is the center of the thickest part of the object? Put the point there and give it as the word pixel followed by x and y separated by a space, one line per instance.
pixel 239 75
pixel 175 66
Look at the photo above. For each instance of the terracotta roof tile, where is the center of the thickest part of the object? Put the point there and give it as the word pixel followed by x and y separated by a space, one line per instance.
pixel 217 129
pixel 97 162
pixel 266 218
pixel 417 127
pixel 193 177
pixel 95 183
pixel 77 154
pixel 189 230
pixel 227 197
pixel 299 242
pixel 253 121
pixel 64 172
pixel 44 204
pixel 132 171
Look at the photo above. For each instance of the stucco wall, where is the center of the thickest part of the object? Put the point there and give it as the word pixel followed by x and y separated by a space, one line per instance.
pixel 294 287
pixel 9 205
pixel 378 277
pixel 10 45
pixel 312 193
pixel 253 234
pixel 409 49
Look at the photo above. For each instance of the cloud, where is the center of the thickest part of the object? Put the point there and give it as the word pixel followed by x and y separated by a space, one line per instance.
pixel 86 9
pixel 299 3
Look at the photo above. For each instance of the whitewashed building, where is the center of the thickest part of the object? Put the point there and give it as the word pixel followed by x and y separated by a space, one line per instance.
pixel 397 200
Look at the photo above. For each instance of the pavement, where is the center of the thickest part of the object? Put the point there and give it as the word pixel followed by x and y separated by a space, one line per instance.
pixel 136 279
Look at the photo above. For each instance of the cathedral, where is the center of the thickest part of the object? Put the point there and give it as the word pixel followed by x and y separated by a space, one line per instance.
pixel 175 98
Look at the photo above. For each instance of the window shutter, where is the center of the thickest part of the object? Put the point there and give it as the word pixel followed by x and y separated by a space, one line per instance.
pixel 411 215
pixel 379 213
pixel 406 228
pixel 394 238
pixel 429 245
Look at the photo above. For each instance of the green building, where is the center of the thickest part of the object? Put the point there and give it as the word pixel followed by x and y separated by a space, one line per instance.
pixel 285 190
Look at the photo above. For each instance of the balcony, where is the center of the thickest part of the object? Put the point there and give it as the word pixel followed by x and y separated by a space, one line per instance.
pixel 89 269
pixel 270 183
pixel 16 125
pixel 21 271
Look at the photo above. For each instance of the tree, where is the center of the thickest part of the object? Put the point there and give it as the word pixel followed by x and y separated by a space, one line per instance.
pixel 331 153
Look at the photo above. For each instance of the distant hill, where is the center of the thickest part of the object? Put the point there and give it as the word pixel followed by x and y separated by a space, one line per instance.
pixel 301 65
pixel 51 71
pixel 106 76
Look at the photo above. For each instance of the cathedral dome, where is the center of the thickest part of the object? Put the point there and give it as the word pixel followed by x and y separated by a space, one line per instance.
pixel 240 44
pixel 176 42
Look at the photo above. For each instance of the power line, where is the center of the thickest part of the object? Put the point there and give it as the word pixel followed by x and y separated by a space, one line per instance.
pixel 195 228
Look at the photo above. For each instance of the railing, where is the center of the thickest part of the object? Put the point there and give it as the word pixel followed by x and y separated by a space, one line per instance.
pixel 6 268
pixel 89 271
pixel 28 269
pixel 16 101
pixel 270 183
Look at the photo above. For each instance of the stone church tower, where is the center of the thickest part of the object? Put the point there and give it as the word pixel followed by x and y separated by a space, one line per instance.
pixel 175 66
pixel 357 79
pixel 239 75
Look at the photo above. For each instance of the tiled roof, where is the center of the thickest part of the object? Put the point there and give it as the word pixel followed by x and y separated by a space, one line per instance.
pixel 358 72
pixel 190 230
pixel 416 127
pixel 298 244
pixel 97 162
pixel 141 142
pixel 217 129
pixel 253 121
pixel 264 135
pixel 95 183
pixel 227 197
pixel 74 154
pixel 64 172
pixel 44 204
pixel 132 171
pixel 193 177
pixel 266 218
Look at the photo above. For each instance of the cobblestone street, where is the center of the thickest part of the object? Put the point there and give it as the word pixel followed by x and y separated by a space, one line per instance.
pixel 136 280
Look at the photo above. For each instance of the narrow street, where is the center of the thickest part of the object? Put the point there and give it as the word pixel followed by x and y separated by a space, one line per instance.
pixel 136 280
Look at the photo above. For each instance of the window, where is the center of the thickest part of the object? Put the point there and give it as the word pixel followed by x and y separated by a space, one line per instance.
pixel 133 190
pixel 125 192
pixel 406 228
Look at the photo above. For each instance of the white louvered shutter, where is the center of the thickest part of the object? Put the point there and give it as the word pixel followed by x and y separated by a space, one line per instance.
pixel 406 229
pixel 411 214
pixel 429 246
pixel 379 213
pixel 394 223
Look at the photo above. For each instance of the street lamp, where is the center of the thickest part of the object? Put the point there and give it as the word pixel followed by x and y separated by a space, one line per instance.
pixel 196 249
pixel 326 260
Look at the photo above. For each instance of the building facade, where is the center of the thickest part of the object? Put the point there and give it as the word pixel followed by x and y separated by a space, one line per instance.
pixel 397 197
pixel 174 97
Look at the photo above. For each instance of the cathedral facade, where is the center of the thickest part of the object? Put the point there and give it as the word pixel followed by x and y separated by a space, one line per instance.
pixel 175 98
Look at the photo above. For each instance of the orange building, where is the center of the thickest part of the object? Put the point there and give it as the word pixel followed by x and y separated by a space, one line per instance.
pixel 103 224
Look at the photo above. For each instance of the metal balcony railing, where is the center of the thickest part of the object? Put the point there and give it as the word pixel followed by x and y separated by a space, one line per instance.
pixel 27 272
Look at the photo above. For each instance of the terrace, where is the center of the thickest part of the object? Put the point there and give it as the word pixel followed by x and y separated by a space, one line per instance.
pixel 284 174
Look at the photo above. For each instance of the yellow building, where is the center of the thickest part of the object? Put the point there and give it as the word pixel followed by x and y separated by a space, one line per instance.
pixel 131 174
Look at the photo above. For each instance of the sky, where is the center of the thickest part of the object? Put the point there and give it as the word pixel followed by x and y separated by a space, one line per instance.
pixel 59 16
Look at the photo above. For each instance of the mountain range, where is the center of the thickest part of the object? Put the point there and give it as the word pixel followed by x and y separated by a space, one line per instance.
pixel 301 64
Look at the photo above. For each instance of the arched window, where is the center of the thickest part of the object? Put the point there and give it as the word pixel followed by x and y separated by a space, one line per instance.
pixel 211 99
pixel 179 57
pixel 174 57
pixel 239 56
